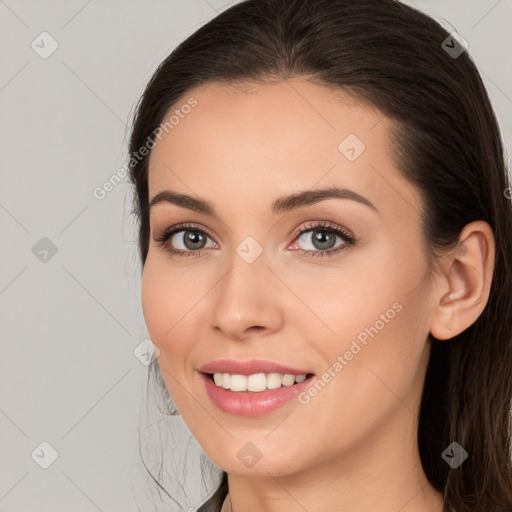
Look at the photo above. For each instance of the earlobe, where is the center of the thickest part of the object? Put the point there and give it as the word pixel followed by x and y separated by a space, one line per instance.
pixel 465 282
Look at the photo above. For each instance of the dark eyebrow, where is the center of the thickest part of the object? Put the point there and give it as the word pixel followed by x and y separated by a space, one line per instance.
pixel 281 205
pixel 309 197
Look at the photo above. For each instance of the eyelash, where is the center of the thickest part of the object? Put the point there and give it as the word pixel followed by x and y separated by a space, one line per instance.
pixel 328 227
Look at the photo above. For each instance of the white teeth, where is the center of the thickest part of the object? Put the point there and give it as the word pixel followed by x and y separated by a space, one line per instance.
pixel 238 383
pixel 274 380
pixel 288 379
pixel 256 382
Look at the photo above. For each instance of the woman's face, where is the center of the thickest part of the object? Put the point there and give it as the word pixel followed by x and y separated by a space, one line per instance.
pixel 353 316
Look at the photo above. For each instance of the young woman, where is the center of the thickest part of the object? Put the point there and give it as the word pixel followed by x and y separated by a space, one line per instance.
pixel 325 234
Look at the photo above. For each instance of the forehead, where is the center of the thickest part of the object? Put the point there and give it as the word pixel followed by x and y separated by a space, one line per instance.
pixel 245 146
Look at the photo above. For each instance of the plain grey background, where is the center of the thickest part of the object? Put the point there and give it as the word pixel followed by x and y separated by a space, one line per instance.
pixel 72 372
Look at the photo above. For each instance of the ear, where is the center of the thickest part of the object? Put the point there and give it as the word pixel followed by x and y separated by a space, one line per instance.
pixel 465 280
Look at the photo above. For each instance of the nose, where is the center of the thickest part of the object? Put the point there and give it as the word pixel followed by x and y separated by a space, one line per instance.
pixel 246 301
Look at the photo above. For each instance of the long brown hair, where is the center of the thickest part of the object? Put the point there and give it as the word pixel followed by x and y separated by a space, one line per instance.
pixel 448 145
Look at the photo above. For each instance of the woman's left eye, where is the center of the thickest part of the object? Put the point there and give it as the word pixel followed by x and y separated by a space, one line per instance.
pixel 322 237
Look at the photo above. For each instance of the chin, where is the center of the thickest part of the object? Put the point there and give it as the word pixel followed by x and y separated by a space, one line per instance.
pixel 275 466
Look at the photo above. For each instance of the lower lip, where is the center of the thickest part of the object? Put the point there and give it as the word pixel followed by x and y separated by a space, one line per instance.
pixel 252 403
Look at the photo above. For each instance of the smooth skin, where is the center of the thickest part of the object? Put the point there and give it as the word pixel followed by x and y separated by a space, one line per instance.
pixel 353 447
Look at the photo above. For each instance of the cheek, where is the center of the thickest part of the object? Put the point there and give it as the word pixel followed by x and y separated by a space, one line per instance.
pixel 174 303
pixel 166 298
pixel 374 378
pixel 353 299
pixel 157 302
pixel 165 305
pixel 379 323
pixel 382 340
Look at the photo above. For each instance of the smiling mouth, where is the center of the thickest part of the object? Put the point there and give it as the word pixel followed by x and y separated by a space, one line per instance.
pixel 256 382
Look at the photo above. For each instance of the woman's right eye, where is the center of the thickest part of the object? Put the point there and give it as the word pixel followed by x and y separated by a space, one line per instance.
pixel 183 240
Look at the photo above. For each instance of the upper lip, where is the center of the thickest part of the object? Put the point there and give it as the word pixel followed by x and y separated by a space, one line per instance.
pixel 249 367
